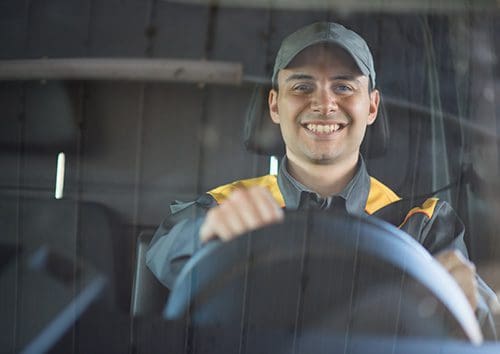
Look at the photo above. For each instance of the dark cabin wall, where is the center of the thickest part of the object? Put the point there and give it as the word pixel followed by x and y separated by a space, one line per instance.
pixel 131 147
pixel 128 139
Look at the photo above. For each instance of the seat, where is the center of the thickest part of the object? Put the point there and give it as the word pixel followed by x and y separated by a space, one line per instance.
pixel 56 290
pixel 151 333
pixel 148 294
pixel 80 231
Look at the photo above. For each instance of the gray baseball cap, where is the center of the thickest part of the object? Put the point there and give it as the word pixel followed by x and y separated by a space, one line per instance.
pixel 325 32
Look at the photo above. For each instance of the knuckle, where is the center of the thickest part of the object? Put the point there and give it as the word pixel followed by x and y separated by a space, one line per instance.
pixel 237 194
pixel 213 214
pixel 258 189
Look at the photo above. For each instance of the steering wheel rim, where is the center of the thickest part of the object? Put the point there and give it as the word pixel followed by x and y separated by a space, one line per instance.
pixel 303 233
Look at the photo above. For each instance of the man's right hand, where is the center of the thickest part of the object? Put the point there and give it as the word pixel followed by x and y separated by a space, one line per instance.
pixel 243 211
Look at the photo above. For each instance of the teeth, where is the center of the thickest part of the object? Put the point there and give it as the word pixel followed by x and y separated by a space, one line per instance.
pixel 321 128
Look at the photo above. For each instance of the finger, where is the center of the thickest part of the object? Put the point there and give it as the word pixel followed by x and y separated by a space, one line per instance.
pixel 226 220
pixel 463 272
pixel 267 206
pixel 466 269
pixel 468 283
pixel 250 209
pixel 244 210
pixel 231 212
pixel 214 225
pixel 207 231
pixel 246 205
pixel 465 278
pixel 452 258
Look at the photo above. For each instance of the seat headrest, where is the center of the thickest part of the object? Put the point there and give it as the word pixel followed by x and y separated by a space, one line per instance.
pixel 263 137
pixel 50 119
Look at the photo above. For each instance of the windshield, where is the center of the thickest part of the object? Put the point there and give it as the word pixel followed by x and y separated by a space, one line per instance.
pixel 112 111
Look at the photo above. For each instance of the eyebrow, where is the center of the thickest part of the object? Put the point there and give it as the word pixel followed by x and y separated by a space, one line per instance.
pixel 294 77
pixel 347 77
pixel 300 76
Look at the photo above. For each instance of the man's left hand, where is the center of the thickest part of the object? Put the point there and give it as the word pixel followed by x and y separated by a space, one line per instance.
pixel 463 271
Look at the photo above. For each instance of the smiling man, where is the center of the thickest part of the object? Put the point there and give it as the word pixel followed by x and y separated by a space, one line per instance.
pixel 323 104
pixel 323 98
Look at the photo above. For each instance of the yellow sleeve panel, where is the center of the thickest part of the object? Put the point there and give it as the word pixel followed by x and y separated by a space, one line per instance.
pixel 427 208
pixel 379 196
pixel 269 181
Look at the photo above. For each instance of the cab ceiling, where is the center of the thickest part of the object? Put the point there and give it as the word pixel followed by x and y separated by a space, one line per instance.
pixel 356 6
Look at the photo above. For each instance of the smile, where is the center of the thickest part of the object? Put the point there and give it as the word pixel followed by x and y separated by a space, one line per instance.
pixel 323 128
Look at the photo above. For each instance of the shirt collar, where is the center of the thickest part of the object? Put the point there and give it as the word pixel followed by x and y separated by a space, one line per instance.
pixel 355 193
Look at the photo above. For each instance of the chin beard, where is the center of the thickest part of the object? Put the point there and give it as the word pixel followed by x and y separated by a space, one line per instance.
pixel 323 159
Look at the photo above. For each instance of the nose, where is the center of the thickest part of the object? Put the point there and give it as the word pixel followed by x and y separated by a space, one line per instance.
pixel 324 101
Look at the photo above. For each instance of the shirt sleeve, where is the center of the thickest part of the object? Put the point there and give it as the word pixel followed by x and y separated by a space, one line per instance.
pixel 171 247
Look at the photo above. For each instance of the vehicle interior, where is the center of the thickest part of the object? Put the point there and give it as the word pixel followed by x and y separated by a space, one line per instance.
pixel 110 111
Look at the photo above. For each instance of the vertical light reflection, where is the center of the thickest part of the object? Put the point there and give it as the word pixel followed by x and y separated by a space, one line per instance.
pixel 61 163
pixel 273 165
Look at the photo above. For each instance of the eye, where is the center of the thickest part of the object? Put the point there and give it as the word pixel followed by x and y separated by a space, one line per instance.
pixel 303 88
pixel 343 89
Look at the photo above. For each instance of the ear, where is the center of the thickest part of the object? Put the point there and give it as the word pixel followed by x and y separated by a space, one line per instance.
pixel 374 102
pixel 273 106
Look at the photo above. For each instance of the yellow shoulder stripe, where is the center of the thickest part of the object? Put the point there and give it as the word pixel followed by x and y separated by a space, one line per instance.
pixel 268 181
pixel 426 208
pixel 380 195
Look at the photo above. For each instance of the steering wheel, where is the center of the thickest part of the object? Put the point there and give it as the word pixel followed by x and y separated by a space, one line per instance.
pixel 319 272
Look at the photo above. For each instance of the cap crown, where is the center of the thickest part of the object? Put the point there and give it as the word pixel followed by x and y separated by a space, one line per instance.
pixel 325 32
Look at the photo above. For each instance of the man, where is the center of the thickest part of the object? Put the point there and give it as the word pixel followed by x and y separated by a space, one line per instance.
pixel 323 99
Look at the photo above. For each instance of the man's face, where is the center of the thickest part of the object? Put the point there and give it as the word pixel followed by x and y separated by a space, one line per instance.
pixel 323 106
